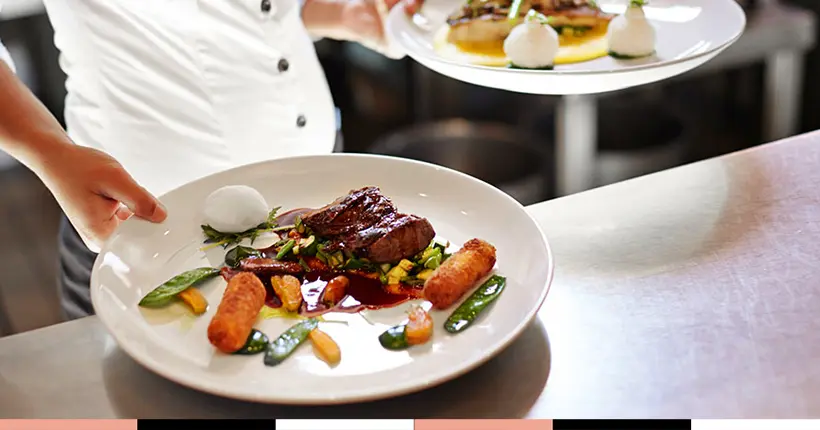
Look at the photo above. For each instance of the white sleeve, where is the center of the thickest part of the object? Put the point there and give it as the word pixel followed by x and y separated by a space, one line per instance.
pixel 5 56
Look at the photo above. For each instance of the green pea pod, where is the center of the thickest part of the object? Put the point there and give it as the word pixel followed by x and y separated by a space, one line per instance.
pixel 239 253
pixel 257 342
pixel 284 345
pixel 394 338
pixel 165 293
pixel 466 313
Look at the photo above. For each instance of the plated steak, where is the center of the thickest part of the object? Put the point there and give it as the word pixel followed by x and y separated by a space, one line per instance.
pixel 368 224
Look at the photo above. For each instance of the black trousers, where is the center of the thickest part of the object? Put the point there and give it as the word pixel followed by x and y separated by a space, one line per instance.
pixel 74 276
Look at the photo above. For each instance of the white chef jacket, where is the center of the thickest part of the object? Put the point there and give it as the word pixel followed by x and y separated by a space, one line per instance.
pixel 5 56
pixel 179 89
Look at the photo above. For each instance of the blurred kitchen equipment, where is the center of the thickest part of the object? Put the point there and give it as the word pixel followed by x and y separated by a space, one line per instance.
pixel 638 135
pixel 508 158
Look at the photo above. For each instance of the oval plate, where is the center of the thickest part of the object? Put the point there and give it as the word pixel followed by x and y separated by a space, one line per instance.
pixel 689 34
pixel 174 344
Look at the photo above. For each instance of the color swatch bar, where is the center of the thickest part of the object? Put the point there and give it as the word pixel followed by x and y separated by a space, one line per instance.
pixel 483 425
pixel 419 424
pixel 68 424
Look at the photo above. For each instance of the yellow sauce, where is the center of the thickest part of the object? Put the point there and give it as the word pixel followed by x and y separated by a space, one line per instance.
pixel 573 49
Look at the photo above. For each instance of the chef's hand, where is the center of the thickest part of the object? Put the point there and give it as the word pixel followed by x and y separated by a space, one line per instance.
pixel 356 20
pixel 96 193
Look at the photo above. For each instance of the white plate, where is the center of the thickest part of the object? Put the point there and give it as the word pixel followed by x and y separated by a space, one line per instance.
pixel 174 344
pixel 689 33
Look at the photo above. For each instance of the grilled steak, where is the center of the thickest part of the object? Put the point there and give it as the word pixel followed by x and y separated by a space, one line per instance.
pixel 356 211
pixel 483 21
pixel 367 223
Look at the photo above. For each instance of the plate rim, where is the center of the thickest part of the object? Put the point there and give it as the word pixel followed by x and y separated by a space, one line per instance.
pixel 402 389
pixel 390 30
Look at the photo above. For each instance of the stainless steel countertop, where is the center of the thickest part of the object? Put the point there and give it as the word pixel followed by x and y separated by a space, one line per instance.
pixel 693 292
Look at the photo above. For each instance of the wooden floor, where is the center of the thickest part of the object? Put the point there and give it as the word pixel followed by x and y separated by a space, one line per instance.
pixel 29 218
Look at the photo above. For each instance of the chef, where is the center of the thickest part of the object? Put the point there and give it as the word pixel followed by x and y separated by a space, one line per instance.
pixel 163 92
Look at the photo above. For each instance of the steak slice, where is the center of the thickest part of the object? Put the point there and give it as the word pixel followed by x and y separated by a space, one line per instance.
pixel 394 237
pixel 366 223
pixel 356 211
pixel 401 237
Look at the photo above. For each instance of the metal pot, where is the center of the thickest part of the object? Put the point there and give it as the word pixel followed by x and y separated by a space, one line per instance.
pixel 501 155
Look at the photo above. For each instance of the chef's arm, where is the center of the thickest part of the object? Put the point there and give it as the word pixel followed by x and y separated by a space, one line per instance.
pixel 323 18
pixel 28 131
pixel 93 189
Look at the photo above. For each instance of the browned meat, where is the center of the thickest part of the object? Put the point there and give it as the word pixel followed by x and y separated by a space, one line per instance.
pixel 367 223
pixel 356 211
pixel 394 237
pixel 482 21
pixel 269 266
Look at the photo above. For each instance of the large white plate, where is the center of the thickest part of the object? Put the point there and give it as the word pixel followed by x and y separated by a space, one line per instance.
pixel 174 344
pixel 689 33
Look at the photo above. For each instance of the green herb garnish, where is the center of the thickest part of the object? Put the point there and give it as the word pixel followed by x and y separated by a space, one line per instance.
pixel 638 3
pixel 218 238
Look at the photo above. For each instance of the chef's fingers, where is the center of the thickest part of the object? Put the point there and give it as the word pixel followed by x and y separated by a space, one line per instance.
pixel 122 188
pixel 412 6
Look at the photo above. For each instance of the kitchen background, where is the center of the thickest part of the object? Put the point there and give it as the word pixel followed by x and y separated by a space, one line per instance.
pixel 759 90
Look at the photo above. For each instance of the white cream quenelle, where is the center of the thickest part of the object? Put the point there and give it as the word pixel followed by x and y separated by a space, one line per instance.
pixel 631 35
pixel 532 44
pixel 235 209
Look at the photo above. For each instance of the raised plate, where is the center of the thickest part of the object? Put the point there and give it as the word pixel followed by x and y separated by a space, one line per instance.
pixel 689 33
pixel 174 344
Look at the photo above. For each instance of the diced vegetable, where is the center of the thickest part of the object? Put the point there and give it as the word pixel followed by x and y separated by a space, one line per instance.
pixel 320 254
pixel 385 268
pixel 304 264
pixel 284 345
pixel 433 262
pixel 335 259
pixel 468 311
pixel 298 225
pixel 411 280
pixel 256 343
pixel 335 290
pixel 425 274
pixel 419 326
pixel 353 264
pixel 286 249
pixel 194 299
pixel 165 293
pixel 406 265
pixel 395 275
pixel 307 246
pixel 325 347
pixel 289 290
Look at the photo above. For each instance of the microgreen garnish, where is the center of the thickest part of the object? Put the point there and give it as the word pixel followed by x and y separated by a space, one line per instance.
pixel 218 238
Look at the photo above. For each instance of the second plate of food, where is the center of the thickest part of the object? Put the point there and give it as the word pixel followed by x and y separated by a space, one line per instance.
pixel 565 46
pixel 324 279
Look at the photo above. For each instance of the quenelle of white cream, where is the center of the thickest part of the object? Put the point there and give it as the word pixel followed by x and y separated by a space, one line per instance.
pixel 631 34
pixel 235 209
pixel 532 45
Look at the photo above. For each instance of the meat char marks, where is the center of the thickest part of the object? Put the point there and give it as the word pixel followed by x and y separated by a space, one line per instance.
pixel 368 224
